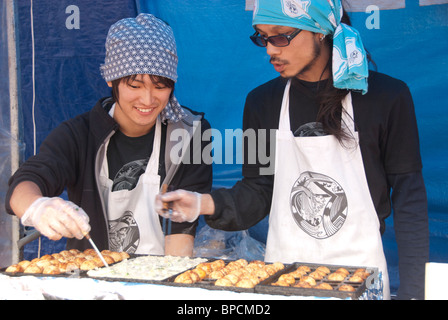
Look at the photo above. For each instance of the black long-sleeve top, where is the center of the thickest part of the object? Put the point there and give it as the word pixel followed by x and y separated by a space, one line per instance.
pixel 389 142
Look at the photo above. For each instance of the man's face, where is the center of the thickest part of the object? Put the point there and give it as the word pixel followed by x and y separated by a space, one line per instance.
pixel 140 102
pixel 302 58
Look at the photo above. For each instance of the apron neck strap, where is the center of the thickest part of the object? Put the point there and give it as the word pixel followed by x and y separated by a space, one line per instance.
pixel 347 116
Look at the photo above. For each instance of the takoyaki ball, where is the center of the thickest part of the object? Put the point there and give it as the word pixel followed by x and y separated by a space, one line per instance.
pixel 88 265
pixel 303 284
pixel 324 286
pixel 317 275
pixel 309 279
pixel 245 283
pixel 278 266
pixel 287 278
pixel 347 287
pixel 336 276
pixel 281 283
pixel 343 271
pixel 356 278
pixel 124 255
pixel 32 268
pixel 51 269
pixel 15 268
pixel 304 268
pixel 323 269
pixel 223 282
pixel 24 264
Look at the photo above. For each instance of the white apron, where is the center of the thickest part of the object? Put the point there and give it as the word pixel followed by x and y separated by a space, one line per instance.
pixel 134 225
pixel 322 211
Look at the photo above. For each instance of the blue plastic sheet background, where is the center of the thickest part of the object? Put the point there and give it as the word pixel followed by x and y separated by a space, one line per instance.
pixel 218 66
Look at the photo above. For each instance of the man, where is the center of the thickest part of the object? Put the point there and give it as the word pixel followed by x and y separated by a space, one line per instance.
pixel 345 137
pixel 114 158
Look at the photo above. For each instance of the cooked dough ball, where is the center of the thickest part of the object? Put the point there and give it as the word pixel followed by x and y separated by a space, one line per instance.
pixel 336 276
pixel 317 275
pixel 79 261
pixel 183 278
pixel 262 274
pixel 89 252
pixel 278 266
pixel 218 274
pixel 88 265
pixel 116 256
pixel 24 264
pixel 71 266
pixel 200 272
pixel 66 253
pixel 343 271
pixel 74 251
pixel 124 255
pixel 270 269
pixel 324 286
pixel 51 270
pixel 57 256
pixel 32 268
pixel 15 268
pixel 242 262
pixel 304 268
pixel 217 265
pixel 98 261
pixel 310 280
pixel 356 278
pixel 346 287
pixel 323 269
pixel 303 284
pixel 223 282
pixel 108 259
pixel 206 266
pixel 362 273
pixel 43 263
pixel 232 277
pixel 281 283
pixel 287 278
pixel 245 283
pixel 298 273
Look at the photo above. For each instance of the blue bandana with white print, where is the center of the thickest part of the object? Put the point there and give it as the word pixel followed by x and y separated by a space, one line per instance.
pixel 350 66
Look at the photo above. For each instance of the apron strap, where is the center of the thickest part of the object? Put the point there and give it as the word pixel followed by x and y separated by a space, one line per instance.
pixel 347 117
pixel 284 124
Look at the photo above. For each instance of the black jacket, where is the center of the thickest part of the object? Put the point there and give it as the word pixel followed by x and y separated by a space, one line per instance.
pixel 68 159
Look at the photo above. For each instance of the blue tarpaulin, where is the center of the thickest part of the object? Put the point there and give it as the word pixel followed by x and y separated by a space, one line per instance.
pixel 218 66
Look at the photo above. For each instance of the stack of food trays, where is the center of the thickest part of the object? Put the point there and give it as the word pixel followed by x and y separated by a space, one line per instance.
pixel 296 279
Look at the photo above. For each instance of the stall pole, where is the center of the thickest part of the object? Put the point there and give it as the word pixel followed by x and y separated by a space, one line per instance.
pixel 11 15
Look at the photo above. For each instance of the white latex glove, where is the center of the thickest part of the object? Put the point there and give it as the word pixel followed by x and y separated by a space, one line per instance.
pixel 185 205
pixel 56 218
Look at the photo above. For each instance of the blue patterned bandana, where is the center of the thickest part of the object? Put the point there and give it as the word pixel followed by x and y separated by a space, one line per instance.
pixel 350 67
pixel 143 45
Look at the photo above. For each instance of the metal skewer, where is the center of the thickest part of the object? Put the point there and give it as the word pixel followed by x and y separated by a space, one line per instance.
pixel 87 235
pixel 166 207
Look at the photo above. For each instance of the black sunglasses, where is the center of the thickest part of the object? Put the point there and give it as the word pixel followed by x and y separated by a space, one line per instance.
pixel 282 40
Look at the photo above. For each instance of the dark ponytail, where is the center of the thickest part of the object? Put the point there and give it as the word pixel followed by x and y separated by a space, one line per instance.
pixel 330 99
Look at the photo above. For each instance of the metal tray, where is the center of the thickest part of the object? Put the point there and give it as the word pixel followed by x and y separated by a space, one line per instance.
pixel 267 287
pixel 209 284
